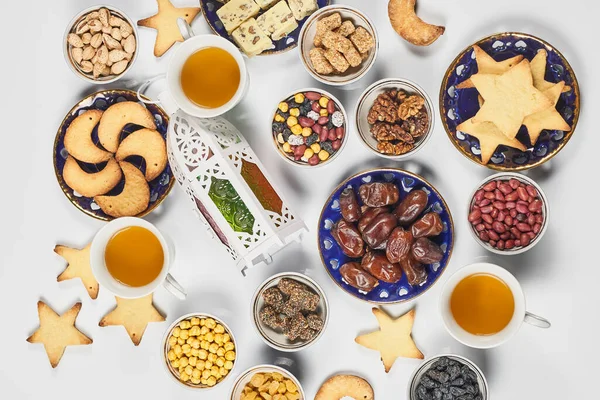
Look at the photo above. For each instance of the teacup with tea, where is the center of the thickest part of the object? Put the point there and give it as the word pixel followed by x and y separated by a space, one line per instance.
pixel 483 306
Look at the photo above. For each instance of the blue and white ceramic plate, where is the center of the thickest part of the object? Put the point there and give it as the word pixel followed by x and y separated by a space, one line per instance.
pixel 458 105
pixel 210 7
pixel 159 187
pixel 333 257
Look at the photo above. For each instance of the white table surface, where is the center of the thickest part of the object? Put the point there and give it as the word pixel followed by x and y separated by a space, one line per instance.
pixel 560 276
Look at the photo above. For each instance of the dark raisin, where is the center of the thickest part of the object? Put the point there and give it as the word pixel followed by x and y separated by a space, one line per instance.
pixel 464 370
pixel 458 382
pixel 305 108
pixel 471 376
pixel 286 134
pixel 283 114
pixel 421 391
pixel 314 138
pixel 278 127
pixel 456 391
pixel 448 396
pixel 327 147
pixel 439 376
pixel 454 371
pixel 472 389
pixel 441 364
pixel 466 397
pixel 293 104
pixel 330 125
pixel 445 389
pixel 428 383
pixel 437 394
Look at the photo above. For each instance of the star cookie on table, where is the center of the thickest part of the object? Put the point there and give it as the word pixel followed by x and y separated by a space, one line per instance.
pixel 56 332
pixel 78 266
pixel 538 71
pixel 134 315
pixel 509 98
pixel 165 22
pixel 490 137
pixel 487 65
pixel 393 339
pixel 549 118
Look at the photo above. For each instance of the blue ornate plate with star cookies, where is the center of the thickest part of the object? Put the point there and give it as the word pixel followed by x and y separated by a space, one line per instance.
pixel 458 105
pixel 159 187
pixel 333 258
pixel 210 7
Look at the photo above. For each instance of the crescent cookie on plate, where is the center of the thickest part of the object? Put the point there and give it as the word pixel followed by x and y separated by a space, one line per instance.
pixel 116 117
pixel 134 198
pixel 148 144
pixel 91 184
pixel 78 138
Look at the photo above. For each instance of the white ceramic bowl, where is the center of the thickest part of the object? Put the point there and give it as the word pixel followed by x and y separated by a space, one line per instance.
pixel 246 376
pixel 309 30
pixel 101 80
pixel 174 374
pixel 366 101
pixel 278 340
pixel 300 163
pixel 545 213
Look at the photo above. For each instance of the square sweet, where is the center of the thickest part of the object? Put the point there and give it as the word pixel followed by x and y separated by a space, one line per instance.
pixel 278 21
pixel 337 59
pixel 332 40
pixel 235 12
pixel 346 29
pixel 265 4
pixel 362 39
pixel 329 23
pixel 251 39
pixel 319 62
pixel 303 8
pixel 353 56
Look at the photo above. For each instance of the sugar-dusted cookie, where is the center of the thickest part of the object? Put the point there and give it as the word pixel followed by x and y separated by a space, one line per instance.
pixel 78 267
pixel 116 117
pixel 342 386
pixel 150 145
pixel 91 184
pixel 132 200
pixel 78 138
pixel 56 332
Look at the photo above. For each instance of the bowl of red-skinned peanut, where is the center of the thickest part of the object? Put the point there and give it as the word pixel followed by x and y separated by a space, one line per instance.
pixel 508 213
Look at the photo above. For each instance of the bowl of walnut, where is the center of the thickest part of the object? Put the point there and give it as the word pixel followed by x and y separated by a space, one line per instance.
pixel 394 118
pixel 100 44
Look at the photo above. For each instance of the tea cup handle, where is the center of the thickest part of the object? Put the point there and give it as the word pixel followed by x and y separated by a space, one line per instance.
pixel 185 29
pixel 164 99
pixel 537 321
pixel 174 287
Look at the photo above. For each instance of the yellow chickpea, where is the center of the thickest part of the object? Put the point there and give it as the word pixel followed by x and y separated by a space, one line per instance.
pixel 315 147
pixel 208 365
pixel 194 330
pixel 171 355
pixel 175 363
pixel 200 365
pixel 291 121
pixel 204 330
pixel 195 381
pixel 202 321
pixel 195 321
pixel 184 334
pixel 323 155
pixel 204 345
pixel 180 341
pixel 184 377
pixel 219 338
pixel 323 101
pixel 172 341
pixel 220 362
pixel 210 323
pixel 306 131
pixel 213 348
pixel 279 118
pixel 196 373
pixel 186 348
pixel 192 361
pixel 296 129
pixel 230 355
pixel 219 328
pixel 226 338
pixel 176 331
pixel 295 112
pixel 323 112
pixel 183 362
pixel 209 337
pixel 188 370
pixel 178 351
pixel 212 381
pixel 205 374
pixel 203 381
pixel 308 153
pixel 228 365
pixel 195 352
pixel 214 370
pixel 221 352
pixel 196 344
pixel 287 148
pixel 212 357
pixel 223 371
pixel 229 346
pixel 202 354
pixel 185 324
pixel 299 98
pixel 283 106
pixel 190 340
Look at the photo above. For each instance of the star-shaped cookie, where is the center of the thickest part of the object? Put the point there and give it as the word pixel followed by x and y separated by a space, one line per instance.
pixel 78 267
pixel 393 339
pixel 549 118
pixel 165 22
pixel 490 137
pixel 509 98
pixel 538 71
pixel 56 332
pixel 134 315
pixel 487 65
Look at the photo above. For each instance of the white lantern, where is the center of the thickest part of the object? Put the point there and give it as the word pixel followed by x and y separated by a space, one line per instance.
pixel 230 190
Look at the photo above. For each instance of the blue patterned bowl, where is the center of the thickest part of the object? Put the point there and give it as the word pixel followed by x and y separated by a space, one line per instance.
pixel 210 7
pixel 458 105
pixel 333 257
pixel 159 187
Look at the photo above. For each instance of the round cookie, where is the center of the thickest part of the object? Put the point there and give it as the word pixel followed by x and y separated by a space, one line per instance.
pixel 134 198
pixel 116 117
pixel 94 184
pixel 340 386
pixel 78 138
pixel 150 145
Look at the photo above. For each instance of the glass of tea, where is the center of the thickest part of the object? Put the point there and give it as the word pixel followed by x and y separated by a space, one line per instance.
pixel 483 306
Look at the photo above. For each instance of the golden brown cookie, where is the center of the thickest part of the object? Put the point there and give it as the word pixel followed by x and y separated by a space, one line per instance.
pixel 549 118
pixel 78 138
pixel 165 23
pixel 487 65
pixel 78 267
pixel 116 117
pixel 134 315
pixel 56 332
pixel 393 339
pixel 150 145
pixel 132 200
pixel 94 184
pixel 341 386
pixel 408 25
pixel 489 136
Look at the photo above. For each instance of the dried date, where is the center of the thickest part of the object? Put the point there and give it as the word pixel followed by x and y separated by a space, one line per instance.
pixel 377 264
pixel 426 252
pixel 379 194
pixel 415 272
pixel 349 239
pixel 358 278
pixel 411 207
pixel 398 245
pixel 378 231
pixel 349 205
pixel 429 225
pixel 368 215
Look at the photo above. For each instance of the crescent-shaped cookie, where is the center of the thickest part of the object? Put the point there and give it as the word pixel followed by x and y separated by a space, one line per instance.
pixel 78 138
pixel 116 117
pixel 150 145
pixel 342 386
pixel 408 25
pixel 132 200
pixel 91 184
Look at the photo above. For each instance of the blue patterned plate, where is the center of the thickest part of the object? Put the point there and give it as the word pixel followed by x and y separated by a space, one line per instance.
pixel 458 105
pixel 333 257
pixel 159 187
pixel 210 7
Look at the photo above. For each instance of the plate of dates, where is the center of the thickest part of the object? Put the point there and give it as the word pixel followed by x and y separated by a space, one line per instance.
pixel 385 235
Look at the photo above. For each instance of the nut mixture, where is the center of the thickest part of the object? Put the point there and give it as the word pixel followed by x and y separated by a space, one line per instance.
pixel 507 214
pixel 102 44
pixel 398 121
pixel 291 307
pixel 271 386
pixel 201 351
pixel 309 127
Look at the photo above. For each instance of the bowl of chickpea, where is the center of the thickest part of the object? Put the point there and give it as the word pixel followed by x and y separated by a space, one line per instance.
pixel 267 382
pixel 199 351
